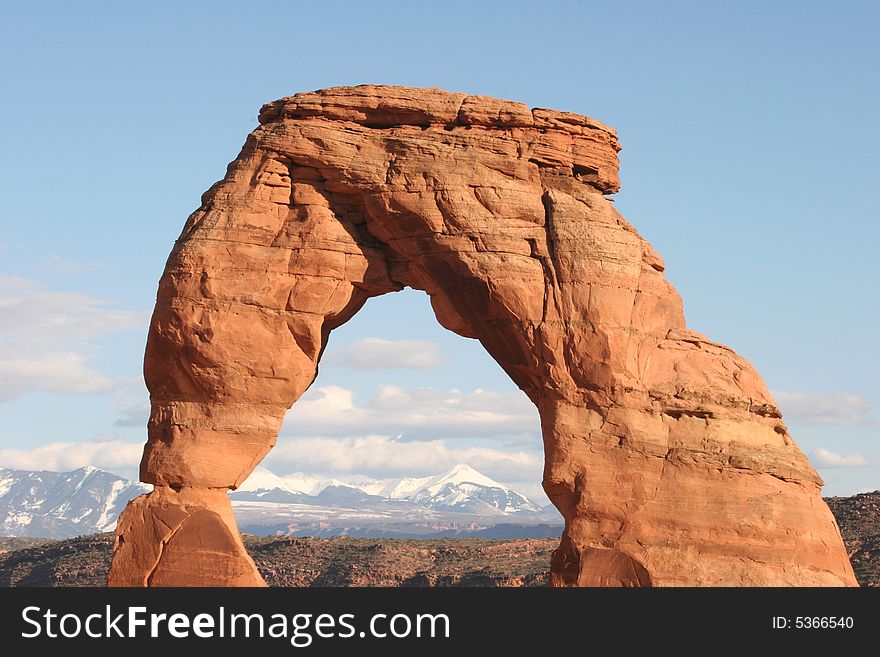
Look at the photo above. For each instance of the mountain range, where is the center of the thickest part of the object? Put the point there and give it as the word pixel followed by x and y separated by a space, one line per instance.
pixel 62 504
pixel 459 502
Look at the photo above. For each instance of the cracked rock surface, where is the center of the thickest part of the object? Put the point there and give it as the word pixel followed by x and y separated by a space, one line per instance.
pixel 664 451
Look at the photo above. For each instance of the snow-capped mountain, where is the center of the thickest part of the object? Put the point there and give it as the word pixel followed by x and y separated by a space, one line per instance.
pixel 265 486
pixel 462 489
pixel 302 483
pixel 62 504
pixel 459 502
pixel 398 489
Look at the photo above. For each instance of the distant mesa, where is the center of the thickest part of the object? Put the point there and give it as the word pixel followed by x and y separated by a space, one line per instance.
pixel 664 451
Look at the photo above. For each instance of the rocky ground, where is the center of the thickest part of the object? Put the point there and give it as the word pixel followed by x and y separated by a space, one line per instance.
pixel 79 561
pixel 401 562
pixel 387 562
pixel 11 544
pixel 313 562
pixel 859 520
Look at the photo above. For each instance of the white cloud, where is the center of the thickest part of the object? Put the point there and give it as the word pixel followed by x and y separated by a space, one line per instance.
pixel 132 402
pixel 66 266
pixel 798 407
pixel 414 413
pixel 45 338
pixel 824 458
pixel 58 372
pixel 115 456
pixel 379 354
pixel 383 456
pixel 31 314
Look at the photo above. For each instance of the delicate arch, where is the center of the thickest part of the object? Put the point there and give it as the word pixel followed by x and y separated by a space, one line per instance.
pixel 664 451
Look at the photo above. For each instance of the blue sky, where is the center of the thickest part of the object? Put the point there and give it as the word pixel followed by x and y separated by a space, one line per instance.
pixel 749 135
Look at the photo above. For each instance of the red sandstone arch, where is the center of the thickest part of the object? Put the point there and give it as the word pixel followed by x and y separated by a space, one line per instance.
pixel 664 451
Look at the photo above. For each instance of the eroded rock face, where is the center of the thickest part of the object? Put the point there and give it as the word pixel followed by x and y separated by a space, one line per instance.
pixel 665 453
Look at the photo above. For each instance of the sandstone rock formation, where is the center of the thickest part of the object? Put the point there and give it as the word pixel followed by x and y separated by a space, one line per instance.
pixel 664 451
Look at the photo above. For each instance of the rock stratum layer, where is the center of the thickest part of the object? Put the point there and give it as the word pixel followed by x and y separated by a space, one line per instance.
pixel 664 450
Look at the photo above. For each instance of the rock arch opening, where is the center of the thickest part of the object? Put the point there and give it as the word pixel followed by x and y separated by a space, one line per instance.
pixel 663 450
pixel 403 409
